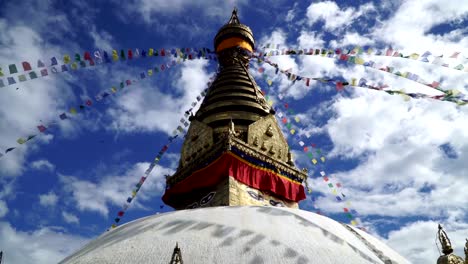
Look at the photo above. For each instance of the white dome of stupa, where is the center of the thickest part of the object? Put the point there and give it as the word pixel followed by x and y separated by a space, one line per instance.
pixel 245 234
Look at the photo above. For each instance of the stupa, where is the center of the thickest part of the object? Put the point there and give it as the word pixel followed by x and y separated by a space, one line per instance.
pixel 236 189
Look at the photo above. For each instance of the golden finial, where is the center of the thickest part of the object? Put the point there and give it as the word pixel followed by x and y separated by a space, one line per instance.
pixel 466 251
pixel 444 241
pixel 234 19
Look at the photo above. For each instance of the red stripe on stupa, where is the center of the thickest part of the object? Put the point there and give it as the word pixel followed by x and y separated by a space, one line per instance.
pixel 229 164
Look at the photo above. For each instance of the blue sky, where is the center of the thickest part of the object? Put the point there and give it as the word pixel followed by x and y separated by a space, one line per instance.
pixel 401 163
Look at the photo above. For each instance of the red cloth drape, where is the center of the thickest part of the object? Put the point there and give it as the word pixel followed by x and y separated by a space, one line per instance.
pixel 228 164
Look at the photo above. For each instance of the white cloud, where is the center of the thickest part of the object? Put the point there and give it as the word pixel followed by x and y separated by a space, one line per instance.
pixel 334 17
pixel 150 10
pixel 42 246
pixel 70 218
pixel 3 208
pixel 136 109
pixel 407 28
pixel 114 188
pixel 49 199
pixel 42 165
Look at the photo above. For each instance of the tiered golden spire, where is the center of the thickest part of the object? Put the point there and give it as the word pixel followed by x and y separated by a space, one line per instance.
pixel 449 257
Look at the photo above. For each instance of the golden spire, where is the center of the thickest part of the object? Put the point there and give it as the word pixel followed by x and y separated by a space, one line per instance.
pixel 466 251
pixel 444 241
pixel 449 257
pixel 234 19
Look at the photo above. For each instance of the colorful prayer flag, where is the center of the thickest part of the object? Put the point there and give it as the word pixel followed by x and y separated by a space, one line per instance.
pixel 41 128
pixel 8 150
pixel 26 66
pixel 21 140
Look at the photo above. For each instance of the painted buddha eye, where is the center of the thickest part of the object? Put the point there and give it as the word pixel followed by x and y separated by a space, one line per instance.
pixel 275 203
pixel 207 198
pixel 253 195
pixel 193 206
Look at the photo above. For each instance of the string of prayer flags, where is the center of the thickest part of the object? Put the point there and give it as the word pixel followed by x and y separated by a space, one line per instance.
pixel 453 95
pixel 99 57
pixel 156 160
pixel 460 99
pixel 73 111
pixel 332 187
pixel 436 60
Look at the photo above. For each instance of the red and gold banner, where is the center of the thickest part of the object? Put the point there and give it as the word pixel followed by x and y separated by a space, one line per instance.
pixel 229 164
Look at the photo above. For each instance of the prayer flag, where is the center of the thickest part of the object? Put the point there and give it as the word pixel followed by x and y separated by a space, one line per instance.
pixel 434 84
pixel 334 192
pixel 339 86
pixel 11 80
pixel 22 78
pixel 292 131
pixel 41 128
pixel 73 111
pixel 122 54
pixel 120 213
pixel 53 61
pixel 40 64
pixel 129 199
pixel 89 102
pixel 359 61
pixel 307 81
pixel 354 223
pixel 26 66
pixel 117 220
pixel 306 149
pixel 338 185
pixel 330 185
pixel 297 119
pixel 314 161
pixel 345 210
pixel 66 59
pixel 2 84
pixel 338 199
pixel 115 55
pixel 63 116
pixel 389 52
pixel 44 72
pixel 426 54
pixel 322 173
pixel 325 178
pixel 455 54
pixel 87 55
pixel 322 159
pixel 8 150
pixel 32 75
pixel 21 140
pixel 12 68
pixel 130 54
pixel 150 72
pixel 414 56
pixel 113 226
